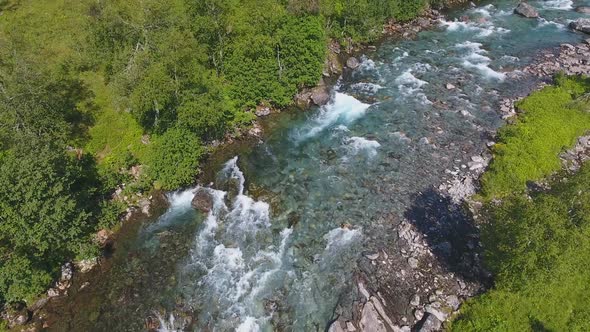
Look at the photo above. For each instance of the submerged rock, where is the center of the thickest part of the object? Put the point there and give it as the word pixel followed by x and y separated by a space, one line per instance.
pixel 581 24
pixel 202 200
pixel 526 10
pixel 583 9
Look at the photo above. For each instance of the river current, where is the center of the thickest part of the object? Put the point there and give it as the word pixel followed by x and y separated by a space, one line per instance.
pixel 292 215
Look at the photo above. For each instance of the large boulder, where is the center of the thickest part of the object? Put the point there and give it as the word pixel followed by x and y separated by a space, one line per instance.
pixel 320 95
pixel 581 24
pixel 583 9
pixel 203 200
pixel 526 10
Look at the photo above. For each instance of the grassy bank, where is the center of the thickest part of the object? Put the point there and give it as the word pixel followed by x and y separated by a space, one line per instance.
pixel 537 244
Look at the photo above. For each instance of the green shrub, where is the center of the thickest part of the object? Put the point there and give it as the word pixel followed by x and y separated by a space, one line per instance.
pixel 175 157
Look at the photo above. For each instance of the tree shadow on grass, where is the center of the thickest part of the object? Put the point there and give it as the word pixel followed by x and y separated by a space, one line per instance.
pixel 450 231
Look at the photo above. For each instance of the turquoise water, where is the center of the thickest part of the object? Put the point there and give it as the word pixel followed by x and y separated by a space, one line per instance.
pixel 292 215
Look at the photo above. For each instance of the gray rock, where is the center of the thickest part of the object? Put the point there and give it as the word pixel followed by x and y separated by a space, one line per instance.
pixel 581 24
pixel 336 327
pixel 352 63
pixel 415 300
pixel 424 141
pixel 435 310
pixel 418 314
pixel 320 95
pixel 583 9
pixel 449 86
pixel 202 200
pixel 350 327
pixel 429 324
pixel 413 262
pixel 526 10
pixel 371 320
pixel 372 256
pixel 453 301
pixel 262 111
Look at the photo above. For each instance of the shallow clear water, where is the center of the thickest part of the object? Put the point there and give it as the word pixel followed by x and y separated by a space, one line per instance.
pixel 292 215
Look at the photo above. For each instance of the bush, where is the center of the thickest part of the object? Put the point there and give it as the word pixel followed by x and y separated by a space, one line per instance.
pixel 45 214
pixel 175 158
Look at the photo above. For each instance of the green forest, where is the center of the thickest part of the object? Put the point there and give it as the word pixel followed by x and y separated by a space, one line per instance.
pixel 91 89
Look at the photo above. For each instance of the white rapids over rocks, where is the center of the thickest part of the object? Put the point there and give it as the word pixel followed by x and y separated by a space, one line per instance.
pixel 342 109
pixel 234 263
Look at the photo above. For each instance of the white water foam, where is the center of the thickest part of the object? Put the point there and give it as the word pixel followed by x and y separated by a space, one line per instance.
pixel 237 270
pixel 557 4
pixel 475 59
pixel 343 109
pixel 543 23
pixel 411 87
pixel 356 145
pixel 366 87
pixel 481 29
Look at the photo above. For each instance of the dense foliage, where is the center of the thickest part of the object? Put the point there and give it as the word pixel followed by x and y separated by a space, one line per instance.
pixel 538 247
pixel 91 90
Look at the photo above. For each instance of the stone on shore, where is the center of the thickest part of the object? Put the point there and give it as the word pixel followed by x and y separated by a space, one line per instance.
pixel 526 10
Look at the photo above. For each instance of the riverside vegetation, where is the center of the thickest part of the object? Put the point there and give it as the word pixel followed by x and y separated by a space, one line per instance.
pixel 91 90
pixel 537 242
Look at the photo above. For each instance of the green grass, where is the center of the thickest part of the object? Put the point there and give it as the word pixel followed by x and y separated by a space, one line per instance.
pixel 528 149
pixel 537 247
pixel 115 136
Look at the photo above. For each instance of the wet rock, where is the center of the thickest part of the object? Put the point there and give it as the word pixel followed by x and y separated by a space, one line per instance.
pixel 203 200
pixel 320 95
pixel 415 300
pixel 526 10
pixel 581 24
pixel 352 63
pixel 429 324
pixel 583 9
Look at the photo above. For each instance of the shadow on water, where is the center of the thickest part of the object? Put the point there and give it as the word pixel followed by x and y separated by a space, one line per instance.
pixel 450 232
